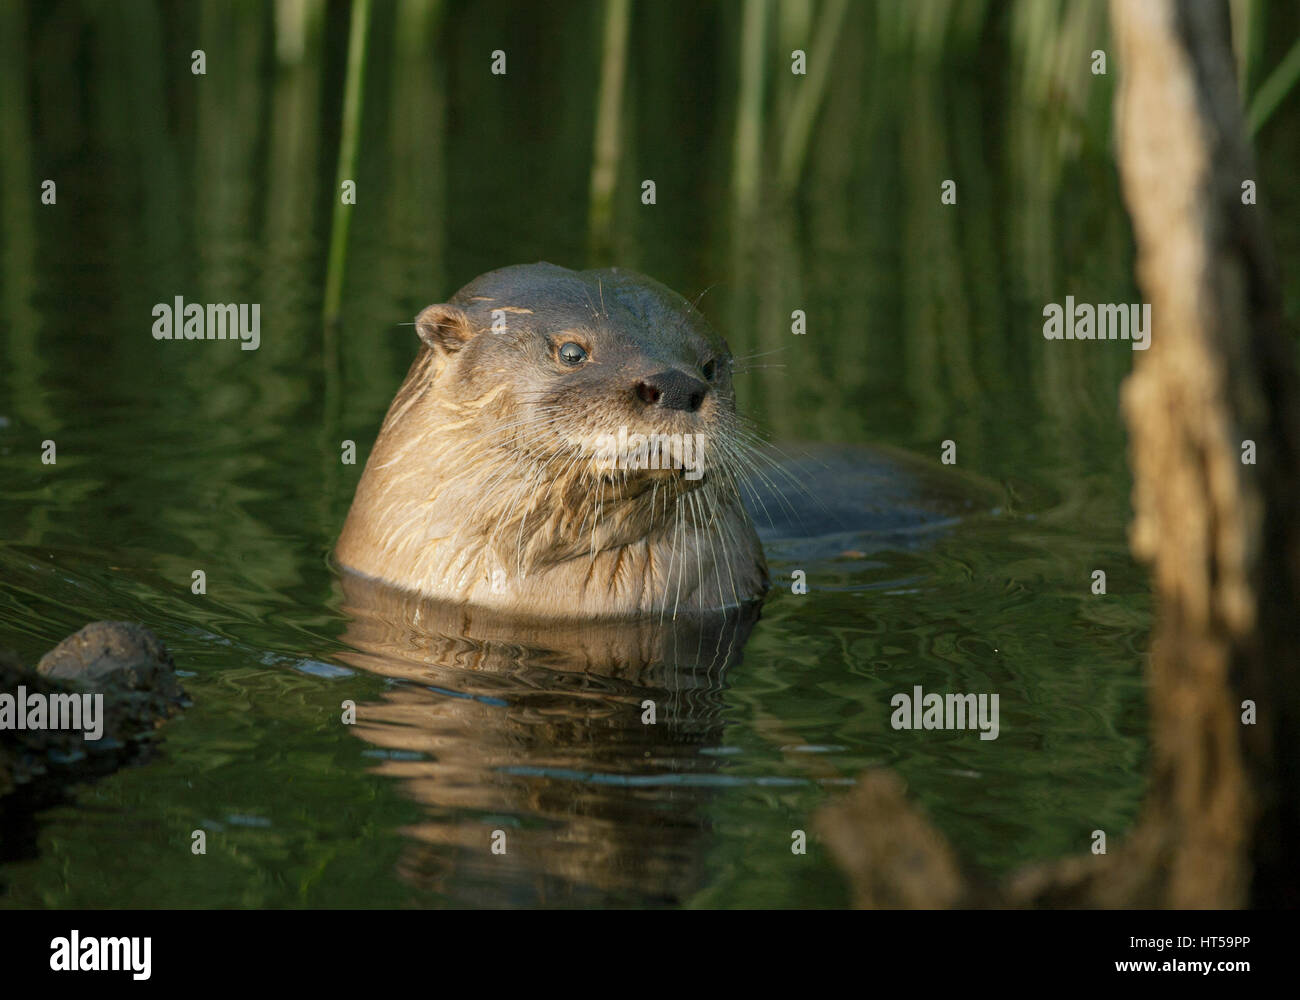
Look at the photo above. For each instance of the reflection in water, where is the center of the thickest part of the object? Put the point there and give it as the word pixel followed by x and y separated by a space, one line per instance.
pixel 537 729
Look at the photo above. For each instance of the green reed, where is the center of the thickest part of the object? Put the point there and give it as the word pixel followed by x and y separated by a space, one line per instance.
pixel 353 92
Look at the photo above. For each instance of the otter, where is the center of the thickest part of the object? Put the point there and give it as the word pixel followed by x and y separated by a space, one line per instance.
pixel 565 445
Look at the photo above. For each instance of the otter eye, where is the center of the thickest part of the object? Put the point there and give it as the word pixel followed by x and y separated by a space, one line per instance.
pixel 572 354
pixel 710 370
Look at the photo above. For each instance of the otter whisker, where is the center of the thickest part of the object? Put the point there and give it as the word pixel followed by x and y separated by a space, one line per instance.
pixel 756 455
pixel 734 462
pixel 696 506
pixel 784 473
pixel 759 354
pixel 726 553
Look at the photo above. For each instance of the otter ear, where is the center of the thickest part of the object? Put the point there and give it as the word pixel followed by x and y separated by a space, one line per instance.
pixel 444 327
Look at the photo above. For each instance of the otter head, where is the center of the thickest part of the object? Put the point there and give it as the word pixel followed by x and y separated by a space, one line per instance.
pixel 598 380
pixel 562 431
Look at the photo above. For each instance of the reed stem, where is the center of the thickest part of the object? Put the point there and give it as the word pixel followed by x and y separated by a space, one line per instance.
pixel 1273 91
pixel 606 145
pixel 747 155
pixel 352 100
pixel 808 103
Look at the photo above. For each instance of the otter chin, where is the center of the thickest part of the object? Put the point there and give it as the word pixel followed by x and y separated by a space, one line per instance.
pixel 565 444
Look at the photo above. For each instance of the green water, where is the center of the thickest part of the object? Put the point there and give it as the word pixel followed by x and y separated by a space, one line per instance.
pixel 924 325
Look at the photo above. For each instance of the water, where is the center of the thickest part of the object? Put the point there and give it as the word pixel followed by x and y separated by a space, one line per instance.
pixel 924 326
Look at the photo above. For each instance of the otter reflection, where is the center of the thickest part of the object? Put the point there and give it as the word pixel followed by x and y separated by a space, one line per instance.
pixel 535 728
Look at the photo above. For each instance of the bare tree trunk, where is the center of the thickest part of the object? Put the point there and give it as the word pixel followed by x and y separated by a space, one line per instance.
pixel 1222 535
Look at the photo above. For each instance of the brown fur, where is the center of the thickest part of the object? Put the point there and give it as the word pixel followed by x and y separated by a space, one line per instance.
pixel 483 486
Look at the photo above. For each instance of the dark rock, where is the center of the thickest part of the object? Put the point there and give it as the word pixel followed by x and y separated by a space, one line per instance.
pixel 132 669
pixel 121 655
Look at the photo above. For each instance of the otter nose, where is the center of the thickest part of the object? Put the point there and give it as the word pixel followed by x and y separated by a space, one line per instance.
pixel 672 390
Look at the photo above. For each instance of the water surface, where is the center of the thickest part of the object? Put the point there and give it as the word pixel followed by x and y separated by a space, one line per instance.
pixel 924 326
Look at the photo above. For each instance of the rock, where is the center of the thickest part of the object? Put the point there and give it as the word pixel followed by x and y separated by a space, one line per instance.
pixel 118 655
pixel 134 672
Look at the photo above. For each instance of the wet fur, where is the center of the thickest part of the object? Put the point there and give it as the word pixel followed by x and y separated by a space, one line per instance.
pixel 484 467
